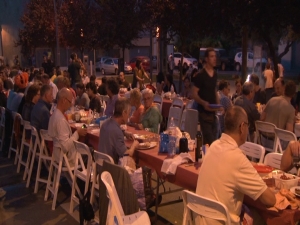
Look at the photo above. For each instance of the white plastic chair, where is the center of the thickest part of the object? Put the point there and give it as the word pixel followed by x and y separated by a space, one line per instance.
pixel 115 209
pixel 263 129
pixel 15 117
pixel 2 127
pixel 43 157
pixel 189 104
pixel 81 171
pixel 177 102
pixel 34 150
pixel 55 170
pixel 99 158
pixel 253 151
pixel 284 135
pixel 158 101
pixel 274 160
pixel 175 113
pixel 204 207
pixel 189 121
pixel 24 142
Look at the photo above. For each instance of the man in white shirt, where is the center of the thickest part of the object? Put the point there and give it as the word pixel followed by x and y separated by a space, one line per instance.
pixel 46 80
pixel 60 130
pixel 226 175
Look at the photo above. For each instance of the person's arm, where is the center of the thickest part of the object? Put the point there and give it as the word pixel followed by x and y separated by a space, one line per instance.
pixel 290 127
pixel 196 97
pixel 267 198
pixel 130 151
pixel 287 158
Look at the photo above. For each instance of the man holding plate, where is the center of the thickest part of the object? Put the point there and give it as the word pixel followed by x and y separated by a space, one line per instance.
pixel 204 92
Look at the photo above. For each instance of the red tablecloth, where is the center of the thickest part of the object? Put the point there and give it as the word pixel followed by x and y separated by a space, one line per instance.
pixel 186 177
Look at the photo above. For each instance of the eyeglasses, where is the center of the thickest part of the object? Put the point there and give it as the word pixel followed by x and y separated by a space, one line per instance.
pixel 247 123
pixel 69 101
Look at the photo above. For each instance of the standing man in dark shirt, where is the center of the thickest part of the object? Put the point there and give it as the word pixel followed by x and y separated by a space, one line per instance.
pixel 204 92
pixel 73 70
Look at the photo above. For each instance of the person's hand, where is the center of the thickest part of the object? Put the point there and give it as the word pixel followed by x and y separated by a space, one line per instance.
pixel 135 144
pixel 129 136
pixel 294 148
pixel 81 131
pixel 206 106
pixel 139 126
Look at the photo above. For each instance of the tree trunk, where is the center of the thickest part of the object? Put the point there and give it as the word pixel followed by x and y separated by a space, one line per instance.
pixel 244 52
pixel 150 55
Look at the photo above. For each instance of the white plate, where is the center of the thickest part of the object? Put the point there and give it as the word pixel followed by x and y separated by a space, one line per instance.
pixel 292 189
pixel 145 146
pixel 78 124
pixel 140 136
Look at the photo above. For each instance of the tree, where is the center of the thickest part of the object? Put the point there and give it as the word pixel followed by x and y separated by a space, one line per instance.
pixel 39 28
pixel 120 22
pixel 77 21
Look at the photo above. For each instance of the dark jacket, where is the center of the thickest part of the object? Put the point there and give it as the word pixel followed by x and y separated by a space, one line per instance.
pixel 124 189
pixel 40 115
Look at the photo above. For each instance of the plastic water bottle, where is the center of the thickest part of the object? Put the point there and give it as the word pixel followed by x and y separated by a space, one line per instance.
pixel 172 89
pixel 172 127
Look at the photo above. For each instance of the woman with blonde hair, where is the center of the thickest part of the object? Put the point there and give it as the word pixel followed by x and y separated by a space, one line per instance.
pixel 136 101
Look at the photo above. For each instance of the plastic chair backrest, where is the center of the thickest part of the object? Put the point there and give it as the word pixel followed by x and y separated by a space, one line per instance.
pixel 177 102
pixel 204 207
pixel 115 207
pixel 284 135
pixel 254 151
pixel 35 134
pixel 2 112
pixel 267 128
pixel 273 159
pixel 100 157
pixel 176 113
pixel 159 106
pixel 157 99
pixel 83 149
pixel 189 104
pixel 44 137
pixel 190 123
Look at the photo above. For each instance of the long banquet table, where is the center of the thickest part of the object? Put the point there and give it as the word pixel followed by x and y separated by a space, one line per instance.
pixel 186 177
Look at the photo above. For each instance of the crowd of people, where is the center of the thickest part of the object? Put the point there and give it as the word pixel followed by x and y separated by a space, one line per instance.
pixel 32 93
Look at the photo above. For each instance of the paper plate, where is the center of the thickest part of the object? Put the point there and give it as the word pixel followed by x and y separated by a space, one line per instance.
pixel 147 145
pixel 215 106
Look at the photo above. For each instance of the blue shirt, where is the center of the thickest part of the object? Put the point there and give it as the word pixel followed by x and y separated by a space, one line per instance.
pixel 40 115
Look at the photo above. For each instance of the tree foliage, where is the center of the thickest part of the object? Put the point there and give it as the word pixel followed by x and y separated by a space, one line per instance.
pixel 39 27
pixel 119 22
pixel 77 24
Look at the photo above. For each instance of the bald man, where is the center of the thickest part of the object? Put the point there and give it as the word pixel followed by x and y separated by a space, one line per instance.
pixel 60 130
pixel 233 176
pixel 278 87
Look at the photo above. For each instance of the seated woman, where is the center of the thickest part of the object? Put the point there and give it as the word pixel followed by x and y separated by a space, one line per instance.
pixel 135 100
pixel 31 98
pixel 168 84
pixel 186 91
pixel 292 151
pixel 151 117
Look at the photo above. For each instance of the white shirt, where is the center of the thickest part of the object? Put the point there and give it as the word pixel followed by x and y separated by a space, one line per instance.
pixel 54 89
pixel 60 130
pixel 226 175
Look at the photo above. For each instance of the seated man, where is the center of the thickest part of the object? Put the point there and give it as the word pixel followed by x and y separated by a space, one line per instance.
pixel 279 110
pixel 245 101
pixel 114 145
pixel 260 95
pixel 40 113
pixel 95 101
pixel 60 130
pixel 82 98
pixel 232 175
pixel 224 90
pixel 122 82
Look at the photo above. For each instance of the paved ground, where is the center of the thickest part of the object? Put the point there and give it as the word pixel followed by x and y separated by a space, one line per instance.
pixel 21 206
